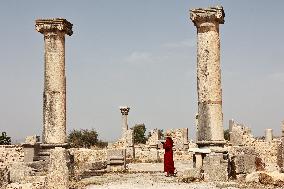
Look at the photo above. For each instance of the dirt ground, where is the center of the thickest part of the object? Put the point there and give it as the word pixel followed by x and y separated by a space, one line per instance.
pixel 151 176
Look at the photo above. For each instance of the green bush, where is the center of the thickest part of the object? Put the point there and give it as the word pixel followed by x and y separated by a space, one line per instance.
pixel 227 134
pixel 85 138
pixel 139 133
pixel 4 139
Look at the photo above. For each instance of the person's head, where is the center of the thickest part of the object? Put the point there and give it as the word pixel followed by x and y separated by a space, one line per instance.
pixel 168 138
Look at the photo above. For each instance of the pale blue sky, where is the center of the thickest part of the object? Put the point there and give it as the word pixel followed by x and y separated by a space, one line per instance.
pixel 141 54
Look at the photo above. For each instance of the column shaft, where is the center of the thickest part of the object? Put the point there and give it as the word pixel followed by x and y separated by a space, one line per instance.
pixel 210 117
pixel 124 124
pixel 54 97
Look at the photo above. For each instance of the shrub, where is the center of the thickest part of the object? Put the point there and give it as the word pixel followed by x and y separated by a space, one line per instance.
pixel 85 138
pixel 4 139
pixel 139 133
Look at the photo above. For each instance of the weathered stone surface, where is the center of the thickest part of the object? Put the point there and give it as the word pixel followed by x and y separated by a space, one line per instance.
pixel 240 135
pixel 243 160
pixel 19 170
pixel 252 177
pixel 116 159
pixel 4 176
pixel 154 137
pixel 32 140
pixel 54 97
pixel 268 135
pixel 210 116
pixel 180 137
pixel 265 179
pixel 58 173
pixel 11 153
pixel 191 175
pixel 84 159
pixel 215 167
pixel 146 154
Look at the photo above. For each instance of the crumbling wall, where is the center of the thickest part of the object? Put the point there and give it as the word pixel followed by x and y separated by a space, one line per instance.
pixel 267 153
pixel 154 137
pixel 240 135
pixel 127 140
pixel 179 136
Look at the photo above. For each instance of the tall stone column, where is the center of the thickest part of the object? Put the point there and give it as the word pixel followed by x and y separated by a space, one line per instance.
pixel 124 111
pixel 54 95
pixel 210 116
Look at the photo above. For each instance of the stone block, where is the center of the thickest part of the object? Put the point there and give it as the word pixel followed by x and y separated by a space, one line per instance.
pixel 215 167
pixel 244 163
pixel 32 140
pixel 191 175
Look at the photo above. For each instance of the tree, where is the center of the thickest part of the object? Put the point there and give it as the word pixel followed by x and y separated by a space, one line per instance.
pixel 139 133
pixel 85 138
pixel 227 134
pixel 4 139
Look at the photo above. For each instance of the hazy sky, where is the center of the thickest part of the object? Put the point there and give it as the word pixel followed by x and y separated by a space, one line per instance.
pixel 141 54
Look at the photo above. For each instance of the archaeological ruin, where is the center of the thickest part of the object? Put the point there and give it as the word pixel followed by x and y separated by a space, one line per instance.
pixel 240 161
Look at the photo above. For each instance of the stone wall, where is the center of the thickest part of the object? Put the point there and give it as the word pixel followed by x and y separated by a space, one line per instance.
pixel 11 153
pixel 268 152
pixel 144 153
pixel 85 158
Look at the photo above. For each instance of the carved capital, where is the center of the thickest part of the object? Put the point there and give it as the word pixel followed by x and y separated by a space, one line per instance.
pixel 45 26
pixel 124 110
pixel 207 15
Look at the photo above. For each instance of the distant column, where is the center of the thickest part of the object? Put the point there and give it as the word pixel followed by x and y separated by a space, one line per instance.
pixel 282 128
pixel 124 111
pixel 268 135
pixel 54 96
pixel 210 116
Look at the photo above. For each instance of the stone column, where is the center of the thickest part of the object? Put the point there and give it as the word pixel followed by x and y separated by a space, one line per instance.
pixel 268 135
pixel 210 116
pixel 282 128
pixel 54 95
pixel 281 159
pixel 124 111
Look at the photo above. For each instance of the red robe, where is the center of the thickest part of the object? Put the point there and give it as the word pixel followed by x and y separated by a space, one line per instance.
pixel 168 157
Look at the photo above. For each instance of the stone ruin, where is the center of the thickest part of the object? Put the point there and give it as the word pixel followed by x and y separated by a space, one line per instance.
pixel 52 164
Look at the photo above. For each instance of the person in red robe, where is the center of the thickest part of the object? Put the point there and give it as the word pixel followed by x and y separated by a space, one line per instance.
pixel 169 167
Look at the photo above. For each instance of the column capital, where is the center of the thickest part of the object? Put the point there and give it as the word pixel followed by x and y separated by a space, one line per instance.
pixel 55 24
pixel 205 15
pixel 124 110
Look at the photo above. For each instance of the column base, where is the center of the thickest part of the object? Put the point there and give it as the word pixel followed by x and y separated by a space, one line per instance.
pixel 45 149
